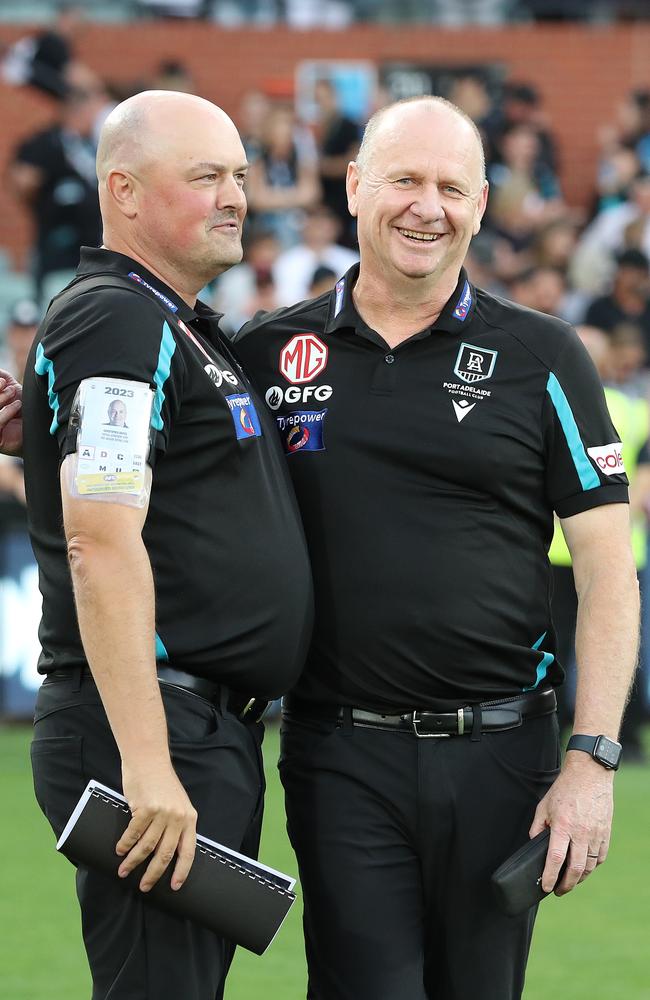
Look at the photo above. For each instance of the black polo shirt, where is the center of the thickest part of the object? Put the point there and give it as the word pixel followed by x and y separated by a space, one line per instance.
pixel 427 476
pixel 232 581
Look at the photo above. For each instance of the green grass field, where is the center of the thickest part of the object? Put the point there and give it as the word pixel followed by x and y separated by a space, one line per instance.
pixel 592 945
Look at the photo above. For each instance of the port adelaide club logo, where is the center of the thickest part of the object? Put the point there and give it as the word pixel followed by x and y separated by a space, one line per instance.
pixel 473 364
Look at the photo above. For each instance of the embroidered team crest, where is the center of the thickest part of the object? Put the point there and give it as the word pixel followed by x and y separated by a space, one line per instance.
pixel 473 364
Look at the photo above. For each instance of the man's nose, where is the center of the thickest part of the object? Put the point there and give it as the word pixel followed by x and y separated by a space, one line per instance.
pixel 230 194
pixel 428 205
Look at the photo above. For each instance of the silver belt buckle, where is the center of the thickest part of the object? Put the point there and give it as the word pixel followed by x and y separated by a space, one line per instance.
pixel 437 736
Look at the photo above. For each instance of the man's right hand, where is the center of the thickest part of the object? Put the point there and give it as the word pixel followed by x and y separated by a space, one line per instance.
pixel 163 823
pixel 11 424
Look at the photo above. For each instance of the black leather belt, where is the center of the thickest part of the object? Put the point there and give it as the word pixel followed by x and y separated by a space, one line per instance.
pixel 488 717
pixel 244 707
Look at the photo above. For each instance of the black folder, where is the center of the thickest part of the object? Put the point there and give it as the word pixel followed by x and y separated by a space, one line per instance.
pixel 232 895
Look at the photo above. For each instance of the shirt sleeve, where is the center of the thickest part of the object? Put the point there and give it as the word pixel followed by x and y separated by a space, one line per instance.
pixel 117 333
pixel 584 466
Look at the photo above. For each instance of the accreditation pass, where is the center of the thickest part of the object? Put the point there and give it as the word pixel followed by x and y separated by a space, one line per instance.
pixel 114 434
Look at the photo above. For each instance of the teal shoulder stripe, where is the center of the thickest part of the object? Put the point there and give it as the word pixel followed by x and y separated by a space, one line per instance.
pixel 167 348
pixel 161 651
pixel 586 472
pixel 43 366
pixel 542 667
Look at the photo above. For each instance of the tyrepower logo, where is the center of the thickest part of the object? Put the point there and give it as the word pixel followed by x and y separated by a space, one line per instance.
pixel 608 458
pixel 303 358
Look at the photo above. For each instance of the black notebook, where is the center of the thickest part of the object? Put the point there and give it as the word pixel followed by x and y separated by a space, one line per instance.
pixel 229 893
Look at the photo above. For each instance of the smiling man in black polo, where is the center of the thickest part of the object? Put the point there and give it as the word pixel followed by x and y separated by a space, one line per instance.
pixel 431 430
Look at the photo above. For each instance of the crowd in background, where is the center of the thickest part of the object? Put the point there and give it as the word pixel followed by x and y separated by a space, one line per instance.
pixel 590 267
pixel 337 14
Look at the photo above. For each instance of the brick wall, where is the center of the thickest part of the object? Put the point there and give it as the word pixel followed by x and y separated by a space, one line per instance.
pixel 582 73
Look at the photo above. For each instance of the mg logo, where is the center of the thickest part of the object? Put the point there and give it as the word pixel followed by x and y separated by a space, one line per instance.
pixel 303 358
pixel 474 364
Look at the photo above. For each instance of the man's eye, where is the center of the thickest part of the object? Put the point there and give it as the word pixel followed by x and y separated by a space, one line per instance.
pixel 404 181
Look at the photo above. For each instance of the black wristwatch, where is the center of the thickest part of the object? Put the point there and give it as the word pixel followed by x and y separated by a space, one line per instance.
pixel 607 752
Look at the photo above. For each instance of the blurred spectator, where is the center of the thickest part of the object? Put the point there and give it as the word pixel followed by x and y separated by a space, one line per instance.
pixel 338 143
pixel 322 280
pixel 42 60
pixel 457 13
pixel 22 325
pixel 632 421
pixel 541 288
pixel 553 247
pixel 254 110
pixel 245 289
pixel 628 360
pixel 283 179
pixel 525 194
pixel 305 14
pixel 613 230
pixel 522 105
pixel 53 175
pixel 554 244
pixel 631 130
pixel 294 268
pixel 617 170
pixel 173 75
pixel 470 93
pixel 483 260
pixel 21 329
pixel 629 300
pixel 176 8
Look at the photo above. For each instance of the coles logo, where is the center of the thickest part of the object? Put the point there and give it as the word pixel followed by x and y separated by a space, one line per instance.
pixel 608 458
pixel 303 358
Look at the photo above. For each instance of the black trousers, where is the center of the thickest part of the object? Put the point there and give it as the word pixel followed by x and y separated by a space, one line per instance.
pixel 396 838
pixel 135 951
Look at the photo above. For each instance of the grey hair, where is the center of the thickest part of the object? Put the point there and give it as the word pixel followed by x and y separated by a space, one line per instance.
pixel 370 133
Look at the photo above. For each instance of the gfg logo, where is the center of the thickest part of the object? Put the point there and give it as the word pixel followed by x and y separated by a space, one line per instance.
pixel 303 358
pixel 220 375
pixel 275 395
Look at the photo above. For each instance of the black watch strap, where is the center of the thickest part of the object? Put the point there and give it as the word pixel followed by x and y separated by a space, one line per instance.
pixel 607 752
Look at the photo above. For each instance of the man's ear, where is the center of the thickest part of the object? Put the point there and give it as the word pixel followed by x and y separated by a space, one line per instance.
pixel 351 186
pixel 480 208
pixel 121 188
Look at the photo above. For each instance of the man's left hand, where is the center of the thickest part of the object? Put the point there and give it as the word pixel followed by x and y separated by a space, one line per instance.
pixel 578 808
pixel 11 427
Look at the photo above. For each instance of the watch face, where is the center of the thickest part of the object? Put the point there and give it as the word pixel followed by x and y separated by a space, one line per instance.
pixel 608 751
